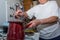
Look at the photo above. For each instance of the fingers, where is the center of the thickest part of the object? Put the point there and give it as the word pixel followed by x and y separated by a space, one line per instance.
pixel 18 13
pixel 31 24
pixel 17 17
pixel 28 24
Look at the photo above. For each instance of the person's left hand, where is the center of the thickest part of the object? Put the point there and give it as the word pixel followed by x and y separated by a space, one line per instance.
pixel 33 23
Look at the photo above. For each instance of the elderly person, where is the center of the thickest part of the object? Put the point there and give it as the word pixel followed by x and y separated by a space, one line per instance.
pixel 46 14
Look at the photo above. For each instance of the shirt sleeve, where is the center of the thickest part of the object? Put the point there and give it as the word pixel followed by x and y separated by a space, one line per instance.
pixel 30 13
pixel 54 10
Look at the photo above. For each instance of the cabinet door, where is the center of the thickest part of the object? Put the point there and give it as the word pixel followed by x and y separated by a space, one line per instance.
pixel 27 4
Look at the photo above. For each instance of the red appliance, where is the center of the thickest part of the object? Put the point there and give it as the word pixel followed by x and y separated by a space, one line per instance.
pixel 15 31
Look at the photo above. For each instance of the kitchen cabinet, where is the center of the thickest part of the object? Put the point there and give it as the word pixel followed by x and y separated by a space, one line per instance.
pixel 27 4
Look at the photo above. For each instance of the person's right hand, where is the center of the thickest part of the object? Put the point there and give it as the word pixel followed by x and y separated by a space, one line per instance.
pixel 18 13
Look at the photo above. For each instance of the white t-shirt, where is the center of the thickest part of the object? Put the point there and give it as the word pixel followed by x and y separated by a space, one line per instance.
pixel 45 11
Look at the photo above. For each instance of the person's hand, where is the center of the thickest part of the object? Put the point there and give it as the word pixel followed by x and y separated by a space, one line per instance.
pixel 33 23
pixel 18 13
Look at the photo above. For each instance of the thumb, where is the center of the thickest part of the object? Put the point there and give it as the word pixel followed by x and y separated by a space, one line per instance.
pixel 28 24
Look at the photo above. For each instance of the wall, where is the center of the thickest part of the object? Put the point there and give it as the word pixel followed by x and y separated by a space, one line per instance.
pixel 2 11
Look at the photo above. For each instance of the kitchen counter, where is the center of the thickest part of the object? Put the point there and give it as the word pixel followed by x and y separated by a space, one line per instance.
pixel 34 37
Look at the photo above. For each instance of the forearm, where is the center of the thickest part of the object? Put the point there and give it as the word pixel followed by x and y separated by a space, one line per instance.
pixel 48 20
